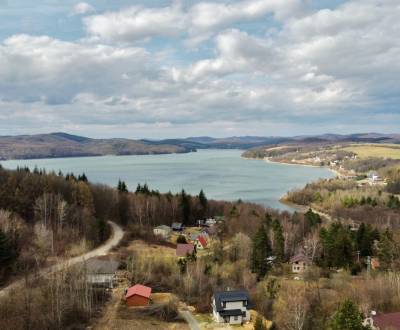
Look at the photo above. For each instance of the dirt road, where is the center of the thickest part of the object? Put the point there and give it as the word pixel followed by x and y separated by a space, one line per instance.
pixel 117 234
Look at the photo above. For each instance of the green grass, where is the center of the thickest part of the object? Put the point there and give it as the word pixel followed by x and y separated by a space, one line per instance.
pixel 375 150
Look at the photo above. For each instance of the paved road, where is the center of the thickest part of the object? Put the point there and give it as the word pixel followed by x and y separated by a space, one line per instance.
pixel 117 234
pixel 189 318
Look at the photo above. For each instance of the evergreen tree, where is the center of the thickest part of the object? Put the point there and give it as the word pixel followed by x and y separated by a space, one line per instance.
pixel 337 246
pixel 261 251
pixel 279 240
pixel 347 317
pixel 312 219
pixel 203 202
pixel 186 207
pixel 122 186
pixel 7 251
pixel 387 250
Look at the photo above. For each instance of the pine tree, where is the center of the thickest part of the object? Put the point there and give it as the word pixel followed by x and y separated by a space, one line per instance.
pixel 186 207
pixel 279 240
pixel 347 317
pixel 122 186
pixel 7 251
pixel 203 202
pixel 261 251
pixel 387 250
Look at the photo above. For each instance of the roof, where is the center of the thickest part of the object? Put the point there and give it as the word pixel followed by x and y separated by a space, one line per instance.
pixel 182 250
pixel 299 257
pixel 138 289
pixel 99 266
pixel 163 227
pixel 231 312
pixel 237 295
pixel 177 225
pixel 389 320
pixel 194 236
pixel 202 241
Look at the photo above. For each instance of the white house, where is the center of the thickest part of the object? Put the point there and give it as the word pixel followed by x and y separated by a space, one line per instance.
pixel 231 307
pixel 163 231
pixel 101 272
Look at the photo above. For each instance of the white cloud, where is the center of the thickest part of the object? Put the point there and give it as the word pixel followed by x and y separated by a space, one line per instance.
pixel 82 8
pixel 318 67
pixel 199 22
pixel 136 23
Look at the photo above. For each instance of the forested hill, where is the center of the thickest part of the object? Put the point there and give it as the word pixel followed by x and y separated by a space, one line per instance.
pixel 65 145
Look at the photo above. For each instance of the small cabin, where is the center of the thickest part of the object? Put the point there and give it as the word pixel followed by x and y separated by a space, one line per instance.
pixel 299 263
pixel 138 295
pixel 200 242
pixel 177 226
pixel 162 231
pixel 183 250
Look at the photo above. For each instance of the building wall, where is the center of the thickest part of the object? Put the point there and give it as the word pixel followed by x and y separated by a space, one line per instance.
pixel 299 267
pixel 101 279
pixel 161 232
pixel 232 305
pixel 137 300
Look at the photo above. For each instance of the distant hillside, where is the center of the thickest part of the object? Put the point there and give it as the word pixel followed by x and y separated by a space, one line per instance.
pixel 65 145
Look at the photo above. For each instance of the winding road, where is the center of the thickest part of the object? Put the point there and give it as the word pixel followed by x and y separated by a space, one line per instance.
pixel 117 234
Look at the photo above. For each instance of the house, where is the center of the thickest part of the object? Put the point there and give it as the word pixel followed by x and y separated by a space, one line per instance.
pixel 201 223
pixel 100 272
pixel 193 236
pixel 183 250
pixel 138 295
pixel 200 242
pixel 210 222
pixel 299 263
pixel 383 321
pixel 374 177
pixel 177 226
pixel 375 263
pixel 231 307
pixel 163 231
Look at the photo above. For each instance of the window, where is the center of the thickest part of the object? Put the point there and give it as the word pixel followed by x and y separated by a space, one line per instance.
pixel 235 318
pixel 244 303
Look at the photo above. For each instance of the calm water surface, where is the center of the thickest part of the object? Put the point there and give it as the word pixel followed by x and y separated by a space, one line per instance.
pixel 222 174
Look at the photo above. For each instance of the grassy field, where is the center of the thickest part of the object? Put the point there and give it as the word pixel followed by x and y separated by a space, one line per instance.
pixel 375 150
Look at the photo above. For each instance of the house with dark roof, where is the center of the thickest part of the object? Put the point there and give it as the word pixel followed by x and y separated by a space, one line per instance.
pixel 100 272
pixel 388 321
pixel 177 226
pixel 231 307
pixel 183 250
pixel 299 263
pixel 138 295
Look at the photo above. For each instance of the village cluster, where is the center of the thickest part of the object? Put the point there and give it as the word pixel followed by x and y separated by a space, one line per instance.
pixel 232 306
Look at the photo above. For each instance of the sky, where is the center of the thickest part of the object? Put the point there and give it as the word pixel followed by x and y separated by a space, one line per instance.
pixel 163 69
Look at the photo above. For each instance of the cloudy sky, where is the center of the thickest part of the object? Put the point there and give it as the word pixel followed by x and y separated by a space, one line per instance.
pixel 158 68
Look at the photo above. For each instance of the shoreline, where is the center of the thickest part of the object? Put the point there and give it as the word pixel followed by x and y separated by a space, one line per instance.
pixel 268 160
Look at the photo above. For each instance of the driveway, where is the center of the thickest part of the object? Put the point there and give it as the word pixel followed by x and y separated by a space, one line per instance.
pixel 189 318
pixel 117 234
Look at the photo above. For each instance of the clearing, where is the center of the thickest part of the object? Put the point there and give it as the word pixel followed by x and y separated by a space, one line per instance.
pixel 375 150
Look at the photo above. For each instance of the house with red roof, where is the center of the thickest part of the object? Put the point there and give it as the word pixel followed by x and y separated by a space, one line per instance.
pixel 138 295
pixel 183 250
pixel 201 242
pixel 383 321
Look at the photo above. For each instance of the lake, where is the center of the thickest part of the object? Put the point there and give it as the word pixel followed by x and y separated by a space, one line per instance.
pixel 222 174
